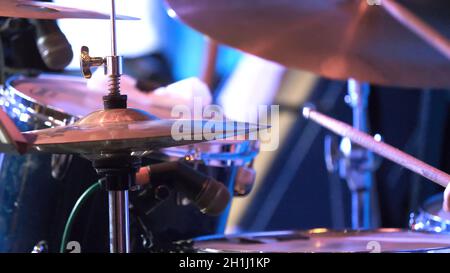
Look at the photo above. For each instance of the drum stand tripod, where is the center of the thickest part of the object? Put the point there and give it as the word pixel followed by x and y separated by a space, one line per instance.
pixel 354 163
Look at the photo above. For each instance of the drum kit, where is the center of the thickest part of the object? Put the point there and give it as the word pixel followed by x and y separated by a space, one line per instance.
pixel 61 117
pixel 54 120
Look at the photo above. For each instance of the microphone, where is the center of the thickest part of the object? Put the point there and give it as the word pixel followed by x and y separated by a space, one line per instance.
pixel 209 195
pixel 53 46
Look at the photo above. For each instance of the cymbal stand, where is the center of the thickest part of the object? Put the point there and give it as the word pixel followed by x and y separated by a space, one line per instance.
pixel 120 174
pixel 119 170
pixel 354 163
pixel 357 169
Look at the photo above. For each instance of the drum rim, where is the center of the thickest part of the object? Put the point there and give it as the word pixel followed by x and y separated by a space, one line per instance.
pixel 40 108
pixel 327 231
pixel 249 150
pixel 306 232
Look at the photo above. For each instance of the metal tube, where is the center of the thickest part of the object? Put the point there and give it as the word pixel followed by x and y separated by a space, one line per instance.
pixel 359 96
pixel 362 209
pixel 113 65
pixel 113 29
pixel 119 222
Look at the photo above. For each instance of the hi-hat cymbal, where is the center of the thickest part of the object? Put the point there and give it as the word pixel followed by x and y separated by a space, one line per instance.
pixel 130 131
pixel 334 38
pixel 45 10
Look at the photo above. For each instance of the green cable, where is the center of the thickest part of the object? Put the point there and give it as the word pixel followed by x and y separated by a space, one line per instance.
pixel 74 212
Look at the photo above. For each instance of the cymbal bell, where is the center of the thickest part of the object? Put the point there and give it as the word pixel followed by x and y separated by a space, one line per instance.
pixel 334 38
pixel 130 131
pixel 52 11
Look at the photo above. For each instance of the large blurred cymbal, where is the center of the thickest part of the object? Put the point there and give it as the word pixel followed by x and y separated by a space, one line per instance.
pixel 334 38
pixel 108 131
pixel 45 10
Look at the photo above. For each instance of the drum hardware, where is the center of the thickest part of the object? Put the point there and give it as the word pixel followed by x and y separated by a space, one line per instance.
pixel 119 170
pixel 151 195
pixel 86 62
pixel 119 173
pixel 40 247
pixel 354 163
pixel 146 235
pixel 382 149
pixel 218 153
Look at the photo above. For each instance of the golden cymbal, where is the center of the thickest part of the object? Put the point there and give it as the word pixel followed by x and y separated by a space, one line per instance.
pixel 130 131
pixel 334 38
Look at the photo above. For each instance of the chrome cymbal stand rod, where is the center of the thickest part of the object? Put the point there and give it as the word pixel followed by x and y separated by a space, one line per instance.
pixel 113 68
pixel 119 221
pixel 119 172
pixel 354 163
pixel 113 29
pixel 112 65
pixel 358 163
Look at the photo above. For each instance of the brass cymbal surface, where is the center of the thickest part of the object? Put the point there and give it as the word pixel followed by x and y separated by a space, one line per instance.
pixel 333 38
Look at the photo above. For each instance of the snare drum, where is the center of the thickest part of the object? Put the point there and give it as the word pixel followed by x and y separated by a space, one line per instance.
pixel 431 217
pixel 323 240
pixel 55 100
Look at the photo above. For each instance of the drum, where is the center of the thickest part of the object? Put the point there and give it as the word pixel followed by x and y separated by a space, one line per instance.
pixel 323 240
pixel 37 192
pixel 431 217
